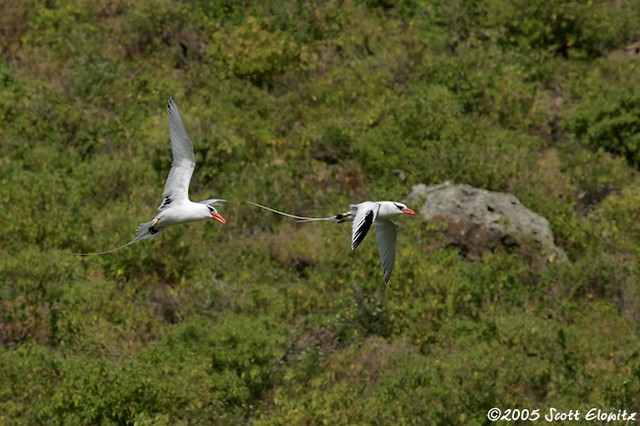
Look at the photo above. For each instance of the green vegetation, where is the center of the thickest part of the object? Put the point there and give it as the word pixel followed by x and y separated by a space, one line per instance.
pixel 309 106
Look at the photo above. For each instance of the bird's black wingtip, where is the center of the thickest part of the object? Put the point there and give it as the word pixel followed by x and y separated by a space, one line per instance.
pixel 362 231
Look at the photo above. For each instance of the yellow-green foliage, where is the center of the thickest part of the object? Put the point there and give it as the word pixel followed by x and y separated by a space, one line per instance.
pixel 309 106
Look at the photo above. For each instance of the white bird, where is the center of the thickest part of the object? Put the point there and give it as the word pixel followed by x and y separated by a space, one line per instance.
pixel 176 208
pixel 363 215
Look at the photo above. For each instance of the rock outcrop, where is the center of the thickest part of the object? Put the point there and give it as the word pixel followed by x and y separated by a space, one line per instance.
pixel 477 221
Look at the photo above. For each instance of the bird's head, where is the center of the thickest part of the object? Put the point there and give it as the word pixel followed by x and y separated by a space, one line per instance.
pixel 215 215
pixel 404 209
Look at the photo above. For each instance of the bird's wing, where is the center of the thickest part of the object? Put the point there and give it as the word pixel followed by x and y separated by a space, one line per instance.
pixel 365 215
pixel 176 189
pixel 213 202
pixel 387 236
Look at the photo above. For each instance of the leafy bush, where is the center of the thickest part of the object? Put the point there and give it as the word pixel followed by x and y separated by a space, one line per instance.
pixel 309 107
pixel 612 124
pixel 568 29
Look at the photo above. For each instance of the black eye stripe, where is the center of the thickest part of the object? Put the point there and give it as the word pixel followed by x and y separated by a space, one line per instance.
pixel 399 207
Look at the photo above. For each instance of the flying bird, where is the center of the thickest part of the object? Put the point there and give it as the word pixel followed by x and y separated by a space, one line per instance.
pixel 363 215
pixel 176 208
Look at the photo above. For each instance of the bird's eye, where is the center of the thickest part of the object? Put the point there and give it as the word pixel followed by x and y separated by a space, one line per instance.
pixel 399 206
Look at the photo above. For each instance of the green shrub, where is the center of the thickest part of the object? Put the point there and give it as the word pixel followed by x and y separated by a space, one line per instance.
pixel 612 124
pixel 309 107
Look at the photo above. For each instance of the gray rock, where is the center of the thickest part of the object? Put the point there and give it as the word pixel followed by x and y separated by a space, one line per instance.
pixel 478 220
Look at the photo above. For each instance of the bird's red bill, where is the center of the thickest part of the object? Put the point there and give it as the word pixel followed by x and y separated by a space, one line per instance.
pixel 218 217
pixel 407 210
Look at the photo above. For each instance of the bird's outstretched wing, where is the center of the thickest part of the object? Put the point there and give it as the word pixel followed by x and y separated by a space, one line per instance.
pixel 387 236
pixel 364 216
pixel 176 189
pixel 213 202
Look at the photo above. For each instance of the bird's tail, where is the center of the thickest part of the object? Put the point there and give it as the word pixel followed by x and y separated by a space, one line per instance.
pixel 144 231
pixel 337 218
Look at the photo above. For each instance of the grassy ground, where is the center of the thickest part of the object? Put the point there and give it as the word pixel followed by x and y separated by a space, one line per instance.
pixel 308 107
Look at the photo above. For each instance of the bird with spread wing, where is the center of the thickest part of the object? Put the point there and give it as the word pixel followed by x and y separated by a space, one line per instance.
pixel 176 208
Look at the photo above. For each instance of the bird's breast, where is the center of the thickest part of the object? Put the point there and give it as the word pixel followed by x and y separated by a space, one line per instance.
pixel 175 215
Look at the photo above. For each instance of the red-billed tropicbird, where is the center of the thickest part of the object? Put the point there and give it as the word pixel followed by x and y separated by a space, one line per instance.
pixel 176 208
pixel 363 215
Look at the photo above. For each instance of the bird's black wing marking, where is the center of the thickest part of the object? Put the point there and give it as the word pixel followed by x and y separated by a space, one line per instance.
pixel 362 229
pixel 165 203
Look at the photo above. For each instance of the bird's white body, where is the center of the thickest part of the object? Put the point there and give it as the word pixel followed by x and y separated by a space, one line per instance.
pixel 363 216
pixel 182 213
pixel 176 208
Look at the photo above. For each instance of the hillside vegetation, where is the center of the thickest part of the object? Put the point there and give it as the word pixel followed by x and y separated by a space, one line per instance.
pixel 308 106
